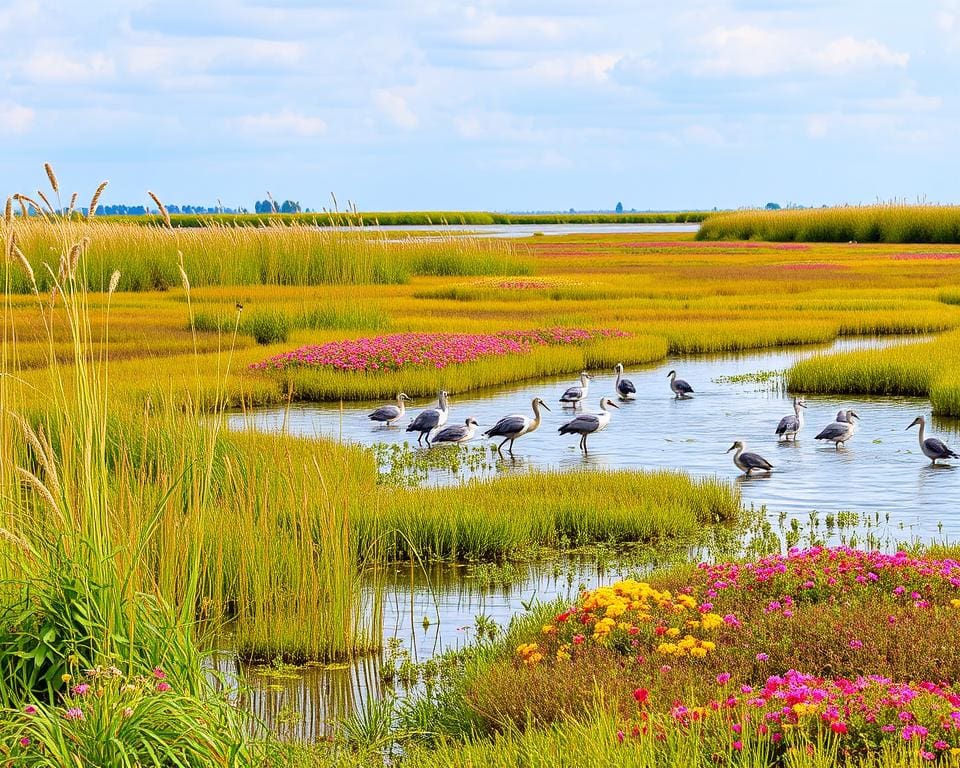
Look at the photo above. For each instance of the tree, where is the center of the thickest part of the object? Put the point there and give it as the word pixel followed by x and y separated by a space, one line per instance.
pixel 772 206
pixel 619 208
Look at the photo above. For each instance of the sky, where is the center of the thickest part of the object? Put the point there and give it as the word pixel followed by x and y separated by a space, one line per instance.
pixel 519 105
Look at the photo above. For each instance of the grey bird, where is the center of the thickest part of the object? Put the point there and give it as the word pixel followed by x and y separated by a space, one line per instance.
pixel 747 461
pixel 587 423
pixel 841 416
pixel 455 433
pixel 840 431
pixel 388 414
pixel 625 388
pixel 681 389
pixel 430 419
pixel 517 425
pixel 932 448
pixel 574 395
pixel 790 425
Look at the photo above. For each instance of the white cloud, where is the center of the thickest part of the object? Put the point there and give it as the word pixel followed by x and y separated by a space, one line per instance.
pixel 594 68
pixel 491 29
pixel 753 51
pixel 53 66
pixel 285 122
pixel 15 118
pixel 395 108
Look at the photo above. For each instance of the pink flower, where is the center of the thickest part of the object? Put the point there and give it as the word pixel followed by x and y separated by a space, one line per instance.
pixel 620 736
pixel 30 709
pixel 127 712
pixel 762 657
pixel 578 639
pixel 737 745
pixel 723 678
pixel 159 673
pixel 856 644
pixel 81 690
pixel 74 713
pixel 839 727
pixel 24 741
pixel 163 687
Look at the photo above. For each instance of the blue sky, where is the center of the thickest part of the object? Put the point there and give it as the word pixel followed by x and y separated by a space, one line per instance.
pixel 495 105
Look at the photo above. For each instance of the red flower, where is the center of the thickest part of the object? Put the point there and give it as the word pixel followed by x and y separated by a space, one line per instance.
pixel 641 695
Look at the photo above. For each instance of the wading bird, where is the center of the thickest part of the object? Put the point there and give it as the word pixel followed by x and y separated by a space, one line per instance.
pixel 841 416
pixel 681 389
pixel 512 427
pixel 932 448
pixel 625 387
pixel 456 433
pixel 749 461
pixel 789 426
pixel 587 423
pixel 431 418
pixel 839 431
pixel 388 414
pixel 574 395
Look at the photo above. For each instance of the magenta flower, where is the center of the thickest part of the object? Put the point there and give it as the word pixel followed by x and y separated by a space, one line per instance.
pixel 74 713
pixel 30 709
pixel 24 741
pixel 81 690
pixel 163 687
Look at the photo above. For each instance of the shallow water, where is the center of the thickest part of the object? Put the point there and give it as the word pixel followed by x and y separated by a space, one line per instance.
pixel 881 470
pixel 881 475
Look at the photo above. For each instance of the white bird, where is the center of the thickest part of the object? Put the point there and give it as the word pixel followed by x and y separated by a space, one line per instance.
pixel 388 414
pixel 625 387
pixel 587 423
pixel 431 418
pixel 517 425
pixel 839 431
pixel 456 433
pixel 932 448
pixel 789 426
pixel 748 461
pixel 574 395
pixel 681 389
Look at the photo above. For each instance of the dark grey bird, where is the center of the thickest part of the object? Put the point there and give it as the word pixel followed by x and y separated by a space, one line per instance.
pixel 388 414
pixel 587 423
pixel 839 432
pixel 575 395
pixel 681 389
pixel 841 416
pixel 790 425
pixel 517 425
pixel 625 388
pixel 455 433
pixel 747 461
pixel 932 448
pixel 430 419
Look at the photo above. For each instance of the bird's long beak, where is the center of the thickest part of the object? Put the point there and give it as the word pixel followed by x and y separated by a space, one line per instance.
pixel 802 405
pixel 730 448
pixel 912 424
pixel 544 405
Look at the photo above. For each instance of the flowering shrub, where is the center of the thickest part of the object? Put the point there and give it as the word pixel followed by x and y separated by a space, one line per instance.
pixel 108 718
pixel 822 645
pixel 436 350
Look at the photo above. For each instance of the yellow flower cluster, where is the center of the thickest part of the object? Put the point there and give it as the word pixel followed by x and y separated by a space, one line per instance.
pixel 530 654
pixel 688 646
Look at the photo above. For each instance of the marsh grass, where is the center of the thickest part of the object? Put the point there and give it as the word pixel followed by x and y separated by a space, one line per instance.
pixel 893 223
pixel 275 254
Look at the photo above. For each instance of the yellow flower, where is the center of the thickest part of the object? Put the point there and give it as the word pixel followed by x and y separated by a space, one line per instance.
pixel 673 632
pixel 562 655
pixel 698 653
pixel 801 709
pixel 707 645
pixel 956 604
pixel 667 648
pixel 73 659
pixel 711 620
pixel 66 678
pixel 688 642
pixel 548 629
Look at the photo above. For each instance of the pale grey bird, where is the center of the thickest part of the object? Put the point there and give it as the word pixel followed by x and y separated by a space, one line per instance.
pixel 625 388
pixel 841 416
pixel 587 423
pixel 455 433
pixel 681 389
pixel 790 425
pixel 932 448
pixel 575 394
pixel 388 414
pixel 430 419
pixel 748 462
pixel 839 431
pixel 517 425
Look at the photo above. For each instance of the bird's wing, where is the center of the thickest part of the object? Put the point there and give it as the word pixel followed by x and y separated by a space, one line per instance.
pixel 755 460
pixel 425 420
pixel 937 446
pixel 627 386
pixel 508 425
pixel 573 393
pixel 683 386
pixel 385 412
pixel 787 424
pixel 836 429
pixel 585 422
pixel 450 434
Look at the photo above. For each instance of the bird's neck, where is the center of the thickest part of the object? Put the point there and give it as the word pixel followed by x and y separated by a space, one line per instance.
pixel 536 413
pixel 920 436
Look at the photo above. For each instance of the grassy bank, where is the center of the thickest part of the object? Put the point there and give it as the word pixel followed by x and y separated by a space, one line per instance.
pixel 417 218
pixel 862 224
pixel 930 369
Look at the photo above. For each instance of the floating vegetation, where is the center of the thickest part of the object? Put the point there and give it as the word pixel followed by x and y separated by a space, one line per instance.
pixel 405 467
pixel 771 380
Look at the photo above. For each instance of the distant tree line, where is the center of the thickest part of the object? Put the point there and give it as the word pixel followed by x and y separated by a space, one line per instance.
pixel 271 206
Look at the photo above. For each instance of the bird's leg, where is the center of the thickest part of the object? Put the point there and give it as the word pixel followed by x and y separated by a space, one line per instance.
pixel 500 447
pixel 510 449
pixel 420 439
